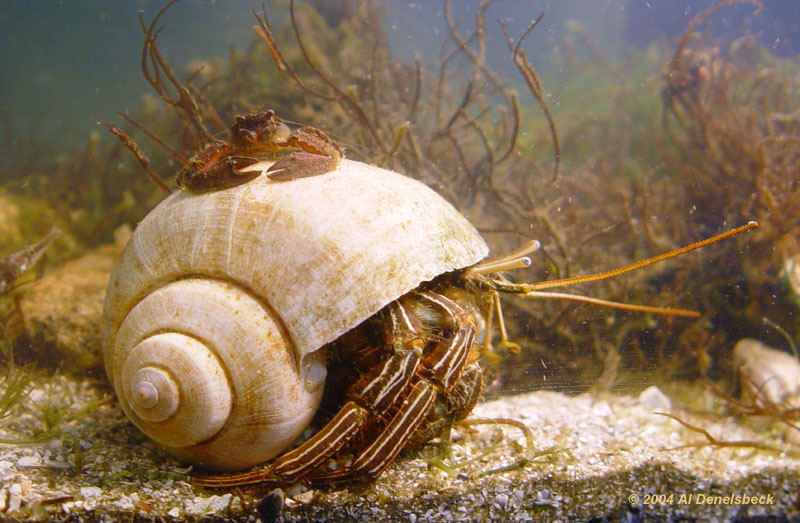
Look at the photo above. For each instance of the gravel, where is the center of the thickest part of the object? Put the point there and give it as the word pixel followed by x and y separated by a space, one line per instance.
pixel 608 457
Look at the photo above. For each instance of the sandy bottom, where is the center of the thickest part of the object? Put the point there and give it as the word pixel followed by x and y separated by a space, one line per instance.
pixel 75 457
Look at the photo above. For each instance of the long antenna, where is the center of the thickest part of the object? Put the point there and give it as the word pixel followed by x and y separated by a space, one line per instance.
pixel 533 290
pixel 643 263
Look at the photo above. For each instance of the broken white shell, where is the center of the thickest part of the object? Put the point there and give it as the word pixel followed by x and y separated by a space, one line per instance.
pixel 791 275
pixel 766 372
pixel 216 311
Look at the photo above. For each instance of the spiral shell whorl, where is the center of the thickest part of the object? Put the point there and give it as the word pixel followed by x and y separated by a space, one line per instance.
pixel 177 387
pixel 198 362
pixel 153 394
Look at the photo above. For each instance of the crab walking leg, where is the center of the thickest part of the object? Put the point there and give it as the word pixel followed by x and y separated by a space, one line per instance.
pixel 385 448
pixel 467 392
pixel 451 408
pixel 444 364
pixel 382 451
pixel 373 395
pixel 412 412
pixel 292 465
pixel 457 314
pixel 405 327
pixel 295 464
pixel 381 391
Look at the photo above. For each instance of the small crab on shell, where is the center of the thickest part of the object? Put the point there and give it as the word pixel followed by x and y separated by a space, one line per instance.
pixel 306 151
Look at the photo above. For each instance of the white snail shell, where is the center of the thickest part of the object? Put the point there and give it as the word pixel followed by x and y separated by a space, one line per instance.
pixel 791 274
pixel 216 311
pixel 766 372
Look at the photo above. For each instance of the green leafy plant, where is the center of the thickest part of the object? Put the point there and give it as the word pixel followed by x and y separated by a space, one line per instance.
pixel 15 383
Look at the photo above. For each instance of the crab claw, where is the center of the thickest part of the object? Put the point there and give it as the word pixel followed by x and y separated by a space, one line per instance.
pixel 319 155
pixel 301 165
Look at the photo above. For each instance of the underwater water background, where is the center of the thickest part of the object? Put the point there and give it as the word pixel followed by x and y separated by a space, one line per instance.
pixel 648 133
pixel 66 62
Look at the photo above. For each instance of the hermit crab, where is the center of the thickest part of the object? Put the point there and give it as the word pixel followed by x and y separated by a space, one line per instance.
pixel 226 305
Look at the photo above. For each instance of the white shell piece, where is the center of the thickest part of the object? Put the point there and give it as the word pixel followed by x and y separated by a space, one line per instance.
pixel 255 280
pixel 791 271
pixel 767 372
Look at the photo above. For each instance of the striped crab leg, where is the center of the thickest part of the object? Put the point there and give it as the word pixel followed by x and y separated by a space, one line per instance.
pixel 380 454
pixel 382 389
pixel 371 396
pixel 411 413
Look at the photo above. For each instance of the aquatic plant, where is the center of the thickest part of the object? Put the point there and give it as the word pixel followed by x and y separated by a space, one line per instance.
pixel 626 185
pixel 732 112
pixel 716 443
pixel 457 125
pixel 15 382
